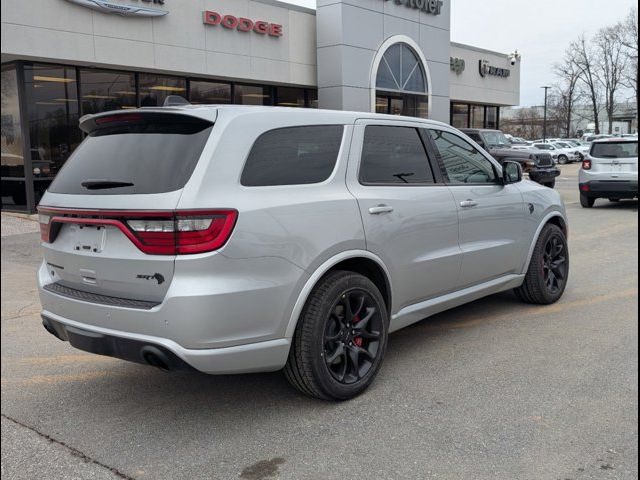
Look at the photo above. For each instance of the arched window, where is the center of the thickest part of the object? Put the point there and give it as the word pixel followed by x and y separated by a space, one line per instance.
pixel 401 85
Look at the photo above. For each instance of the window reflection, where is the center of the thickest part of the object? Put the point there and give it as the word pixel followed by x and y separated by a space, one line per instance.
pixel 209 92
pixel 477 116
pixel 492 117
pixel 154 89
pixel 52 105
pixel 103 90
pixel 13 183
pixel 460 115
pixel 252 95
pixel 290 97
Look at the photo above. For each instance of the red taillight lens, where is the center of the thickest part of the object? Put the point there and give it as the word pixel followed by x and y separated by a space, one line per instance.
pixel 586 164
pixel 154 233
pixel 44 221
pixel 119 118
pixel 196 233
pixel 186 233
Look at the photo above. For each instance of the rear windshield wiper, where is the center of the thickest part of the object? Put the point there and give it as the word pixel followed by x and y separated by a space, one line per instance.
pixel 104 184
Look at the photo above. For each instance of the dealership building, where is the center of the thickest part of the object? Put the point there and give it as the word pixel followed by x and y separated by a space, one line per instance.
pixel 62 59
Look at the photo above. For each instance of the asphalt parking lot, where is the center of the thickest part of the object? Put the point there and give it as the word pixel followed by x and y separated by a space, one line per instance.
pixel 492 390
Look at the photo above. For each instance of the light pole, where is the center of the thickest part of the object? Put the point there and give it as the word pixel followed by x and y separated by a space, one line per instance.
pixel 544 120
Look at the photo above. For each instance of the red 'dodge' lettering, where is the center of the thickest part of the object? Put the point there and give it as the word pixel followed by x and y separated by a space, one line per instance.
pixel 242 24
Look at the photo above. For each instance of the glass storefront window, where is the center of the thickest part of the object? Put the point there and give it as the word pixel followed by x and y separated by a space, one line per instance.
pixel 13 181
pixel 459 115
pixel 103 90
pixel 290 97
pixel 252 95
pixel 209 92
pixel 312 98
pixel 492 117
pixel 402 104
pixel 477 116
pixel 51 93
pixel 154 89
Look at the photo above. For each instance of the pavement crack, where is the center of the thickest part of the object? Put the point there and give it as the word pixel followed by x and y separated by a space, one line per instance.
pixel 74 451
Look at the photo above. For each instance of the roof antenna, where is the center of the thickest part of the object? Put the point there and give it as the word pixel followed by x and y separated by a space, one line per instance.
pixel 174 101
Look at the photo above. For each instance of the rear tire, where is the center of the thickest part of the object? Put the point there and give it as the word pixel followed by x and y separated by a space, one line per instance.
pixel 341 338
pixel 586 201
pixel 551 184
pixel 548 272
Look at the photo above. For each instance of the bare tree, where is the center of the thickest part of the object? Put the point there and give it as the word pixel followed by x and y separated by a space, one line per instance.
pixel 628 30
pixel 612 63
pixel 586 62
pixel 567 92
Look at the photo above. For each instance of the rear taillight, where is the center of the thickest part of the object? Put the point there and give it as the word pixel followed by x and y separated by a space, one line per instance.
pixel 586 164
pixel 186 232
pixel 44 221
pixel 153 232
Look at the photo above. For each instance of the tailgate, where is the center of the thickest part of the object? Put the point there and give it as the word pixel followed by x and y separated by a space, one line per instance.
pixel 108 220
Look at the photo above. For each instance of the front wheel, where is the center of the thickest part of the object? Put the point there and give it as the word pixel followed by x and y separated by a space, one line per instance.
pixel 563 160
pixel 548 272
pixel 340 339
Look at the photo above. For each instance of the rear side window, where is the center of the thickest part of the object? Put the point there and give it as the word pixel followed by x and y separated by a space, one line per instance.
pixel 134 154
pixel 615 150
pixel 394 155
pixel 293 156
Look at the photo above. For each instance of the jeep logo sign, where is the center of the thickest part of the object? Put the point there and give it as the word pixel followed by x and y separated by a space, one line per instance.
pixel 242 24
pixel 486 69
pixel 434 7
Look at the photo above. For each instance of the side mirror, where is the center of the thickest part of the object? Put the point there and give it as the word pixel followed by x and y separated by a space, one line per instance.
pixel 511 172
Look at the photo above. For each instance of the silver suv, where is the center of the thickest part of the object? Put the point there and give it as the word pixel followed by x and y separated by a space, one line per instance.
pixel 610 170
pixel 244 239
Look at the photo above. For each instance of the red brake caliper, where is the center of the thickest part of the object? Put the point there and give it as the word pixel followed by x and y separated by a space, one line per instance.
pixel 357 340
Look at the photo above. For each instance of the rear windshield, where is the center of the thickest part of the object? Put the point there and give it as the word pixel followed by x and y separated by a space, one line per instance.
pixel 615 150
pixel 134 154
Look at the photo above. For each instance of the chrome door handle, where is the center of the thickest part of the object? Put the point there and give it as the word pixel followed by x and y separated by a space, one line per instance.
pixel 380 209
pixel 468 203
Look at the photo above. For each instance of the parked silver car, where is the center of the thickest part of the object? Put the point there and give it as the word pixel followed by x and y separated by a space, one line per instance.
pixel 243 239
pixel 610 170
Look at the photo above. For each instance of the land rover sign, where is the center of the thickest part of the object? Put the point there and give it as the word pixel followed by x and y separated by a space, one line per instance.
pixel 434 7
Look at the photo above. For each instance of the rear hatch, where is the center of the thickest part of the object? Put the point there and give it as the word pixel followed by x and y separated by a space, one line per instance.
pixel 614 158
pixel 108 220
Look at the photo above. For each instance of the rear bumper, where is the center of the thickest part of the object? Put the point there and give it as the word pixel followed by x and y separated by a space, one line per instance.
pixel 160 352
pixel 610 188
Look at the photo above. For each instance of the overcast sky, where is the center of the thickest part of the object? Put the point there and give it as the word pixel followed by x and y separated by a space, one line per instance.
pixel 539 29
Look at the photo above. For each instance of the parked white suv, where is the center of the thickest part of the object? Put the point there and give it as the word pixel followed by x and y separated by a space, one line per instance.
pixel 610 170
pixel 243 239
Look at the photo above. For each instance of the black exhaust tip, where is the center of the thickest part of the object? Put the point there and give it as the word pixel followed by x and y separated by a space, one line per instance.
pixel 155 357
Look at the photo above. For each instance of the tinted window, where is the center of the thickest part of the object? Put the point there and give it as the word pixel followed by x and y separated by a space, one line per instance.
pixel 394 155
pixel 615 150
pixel 462 163
pixel 156 153
pixel 293 156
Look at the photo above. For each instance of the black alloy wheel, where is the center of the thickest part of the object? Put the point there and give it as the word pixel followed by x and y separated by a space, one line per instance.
pixel 352 336
pixel 555 264
pixel 340 339
pixel 548 272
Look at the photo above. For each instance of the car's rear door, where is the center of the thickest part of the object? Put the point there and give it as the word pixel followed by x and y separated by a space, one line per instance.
pixel 491 214
pixel 107 219
pixel 410 219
